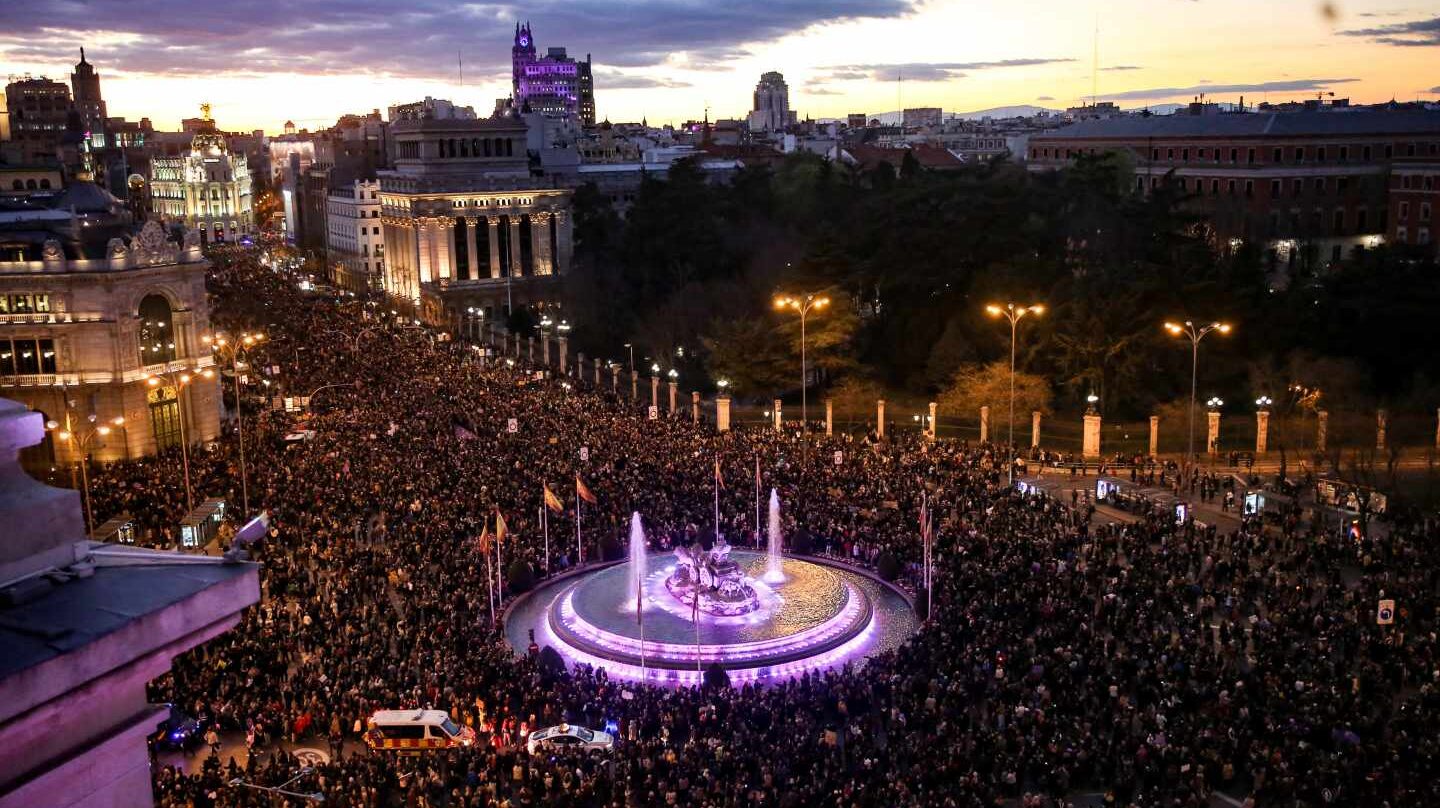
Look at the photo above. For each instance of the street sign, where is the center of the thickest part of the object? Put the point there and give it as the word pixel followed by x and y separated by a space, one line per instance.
pixel 839 458
pixel 654 413
pixel 584 452
pixel 512 426
pixel 1385 614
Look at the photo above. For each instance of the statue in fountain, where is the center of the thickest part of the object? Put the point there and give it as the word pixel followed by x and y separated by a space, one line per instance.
pixel 712 577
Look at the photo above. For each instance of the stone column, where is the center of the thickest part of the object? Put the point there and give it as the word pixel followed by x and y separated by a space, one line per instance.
pixel 1212 433
pixel 984 424
pixel 471 260
pixel 418 231
pixel 615 379
pixel 1322 429
pixel 516 267
pixel 695 407
pixel 934 422
pixel 449 265
pixel 545 348
pixel 634 385
pixel 880 417
pixel 655 392
pixel 1437 428
pixel 540 241
pixel 1382 424
pixel 722 413
pixel 532 348
pixel 564 356
pixel 1035 430
pixel 493 241
pixel 776 415
pixel 673 388
pixel 564 241
pixel 1154 435
pixel 830 420
pixel 1091 446
pixel 1262 431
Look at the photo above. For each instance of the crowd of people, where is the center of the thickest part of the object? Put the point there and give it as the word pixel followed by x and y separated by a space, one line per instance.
pixel 1148 662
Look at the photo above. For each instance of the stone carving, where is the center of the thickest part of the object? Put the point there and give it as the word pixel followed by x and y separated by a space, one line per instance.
pixel 52 251
pixel 115 249
pixel 192 240
pixel 151 246
pixel 710 575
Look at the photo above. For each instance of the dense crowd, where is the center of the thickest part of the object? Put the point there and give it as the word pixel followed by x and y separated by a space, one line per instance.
pixel 1152 663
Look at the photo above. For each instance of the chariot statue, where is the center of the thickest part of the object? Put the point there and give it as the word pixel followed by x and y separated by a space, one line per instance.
pixel 712 577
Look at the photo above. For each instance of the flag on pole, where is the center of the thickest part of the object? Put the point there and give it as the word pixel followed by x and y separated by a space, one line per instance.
pixel 719 477
pixel 583 491
pixel 500 528
pixel 551 501
pixel 485 539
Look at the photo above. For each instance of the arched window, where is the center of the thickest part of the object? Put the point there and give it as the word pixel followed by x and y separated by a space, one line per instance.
pixel 474 147
pixel 157 331
pixel 45 184
pixel 17 185
pixel 487 147
pixel 29 185
pixel 464 148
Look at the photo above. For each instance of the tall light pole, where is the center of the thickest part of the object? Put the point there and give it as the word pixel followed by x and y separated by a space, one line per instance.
pixel 804 304
pixel 1014 314
pixel 179 380
pixel 234 350
pixel 631 347
pixel 82 440
pixel 1195 334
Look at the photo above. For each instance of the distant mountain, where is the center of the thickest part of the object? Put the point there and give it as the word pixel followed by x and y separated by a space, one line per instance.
pixel 1017 111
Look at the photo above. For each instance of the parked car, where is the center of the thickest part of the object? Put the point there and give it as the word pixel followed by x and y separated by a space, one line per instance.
pixel 568 736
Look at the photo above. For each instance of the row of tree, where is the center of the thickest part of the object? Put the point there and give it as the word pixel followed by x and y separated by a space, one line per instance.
pixel 911 258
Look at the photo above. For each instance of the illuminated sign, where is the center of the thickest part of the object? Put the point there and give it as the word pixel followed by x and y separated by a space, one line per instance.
pixel 25 303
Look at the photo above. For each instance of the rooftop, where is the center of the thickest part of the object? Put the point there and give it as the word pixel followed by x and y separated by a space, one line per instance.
pixel 1336 123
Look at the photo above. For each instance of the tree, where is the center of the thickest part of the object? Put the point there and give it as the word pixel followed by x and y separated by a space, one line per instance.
pixel 751 353
pixel 977 386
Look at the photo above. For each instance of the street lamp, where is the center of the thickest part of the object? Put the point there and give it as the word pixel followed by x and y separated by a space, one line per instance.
pixel 179 380
pixel 234 350
pixel 83 440
pixel 1014 314
pixel 631 347
pixel 1215 402
pixel 803 304
pixel 1195 334
pixel 1263 402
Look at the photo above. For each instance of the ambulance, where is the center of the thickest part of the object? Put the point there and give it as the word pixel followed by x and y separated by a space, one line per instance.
pixel 415 731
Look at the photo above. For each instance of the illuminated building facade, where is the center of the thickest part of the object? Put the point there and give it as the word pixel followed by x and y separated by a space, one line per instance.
pixel 207 189
pixel 555 84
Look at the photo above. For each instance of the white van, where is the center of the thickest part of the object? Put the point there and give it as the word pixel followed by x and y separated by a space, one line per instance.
pixel 415 730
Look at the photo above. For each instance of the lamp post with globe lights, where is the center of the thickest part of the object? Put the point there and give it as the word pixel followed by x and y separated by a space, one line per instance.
pixel 179 380
pixel 234 351
pixel 803 304
pixel 82 439
pixel 1195 334
pixel 1013 314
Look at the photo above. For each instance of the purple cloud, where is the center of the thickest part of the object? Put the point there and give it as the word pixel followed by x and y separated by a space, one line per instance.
pixel 1291 86
pixel 928 71
pixel 1416 33
pixel 420 38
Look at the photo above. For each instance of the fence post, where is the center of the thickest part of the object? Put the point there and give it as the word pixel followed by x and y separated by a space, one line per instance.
pixel 984 424
pixel 777 415
pixel 934 424
pixel 829 418
pixel 1035 430
pixel 1091 446
pixel 1212 436
pixel 722 413
pixel 1262 431
pixel 880 417
pixel 1154 435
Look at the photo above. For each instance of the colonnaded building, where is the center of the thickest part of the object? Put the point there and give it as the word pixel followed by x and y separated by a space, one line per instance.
pixel 206 189
pixel 90 308
pixel 465 223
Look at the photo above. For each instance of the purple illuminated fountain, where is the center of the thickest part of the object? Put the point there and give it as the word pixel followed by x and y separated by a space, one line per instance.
pixel 760 616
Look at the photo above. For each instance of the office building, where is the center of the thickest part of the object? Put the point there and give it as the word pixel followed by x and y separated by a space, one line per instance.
pixel 771 111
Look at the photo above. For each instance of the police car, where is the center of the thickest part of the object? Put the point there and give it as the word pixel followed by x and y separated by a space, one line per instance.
pixel 568 736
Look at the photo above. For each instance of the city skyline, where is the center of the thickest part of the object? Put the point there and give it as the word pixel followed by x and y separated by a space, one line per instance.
pixel 669 62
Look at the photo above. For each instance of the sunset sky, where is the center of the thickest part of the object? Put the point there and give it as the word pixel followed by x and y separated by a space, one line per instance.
pixel 260 63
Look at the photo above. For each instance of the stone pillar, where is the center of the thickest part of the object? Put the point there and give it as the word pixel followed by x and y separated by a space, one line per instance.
pixel 673 387
pixel 1035 430
pixel 597 374
pixel 1382 424
pixel 830 420
pixel 634 385
pixel 1437 428
pixel 655 392
pixel 695 407
pixel 493 241
pixel 1212 433
pixel 1154 435
pixel 471 241
pixel 540 241
pixel 984 424
pixel 880 417
pixel 776 415
pixel 417 230
pixel 564 241
pixel 615 379
pixel 564 356
pixel 722 414
pixel 934 421
pixel 1322 429
pixel 516 267
pixel 1091 445
pixel 1262 431
pixel 545 348
pixel 531 341
pixel 448 264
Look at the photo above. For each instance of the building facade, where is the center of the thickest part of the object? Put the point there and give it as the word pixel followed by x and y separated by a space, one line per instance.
pixel 39 111
pixel 79 335
pixel 1285 180
pixel 356 241
pixel 922 118
pixel 771 112
pixel 464 223
pixel 207 189
pixel 555 84
pixel 1415 202
pixel 85 84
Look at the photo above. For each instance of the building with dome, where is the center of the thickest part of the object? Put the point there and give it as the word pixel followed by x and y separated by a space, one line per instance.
pixel 206 189
pixel 90 306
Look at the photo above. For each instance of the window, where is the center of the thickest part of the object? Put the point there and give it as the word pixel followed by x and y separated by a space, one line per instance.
pixel 1278 155
pixel 1344 153
pixel 1320 185
pixel 156 336
pixel 1297 187
pixel 1274 189
pixel 1402 236
pixel 1360 220
pixel 1404 213
pixel 45 183
pixel 1320 154
pixel 1424 211
pixel 1214 187
pixel 1185 155
pixel 1422 235
pixel 1234 155
pixel 1338 225
pixel 1230 187
pixel 1250 156
pixel 1365 153
pixel 1299 154
pixel 27 357
pixel 1340 184
pixel 1249 189
pixel 17 185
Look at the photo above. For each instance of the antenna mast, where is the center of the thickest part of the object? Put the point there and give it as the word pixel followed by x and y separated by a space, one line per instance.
pixel 1095 65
